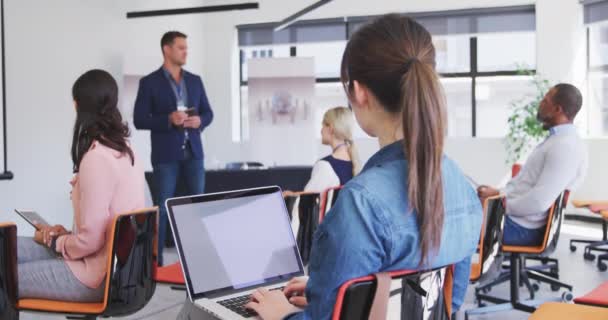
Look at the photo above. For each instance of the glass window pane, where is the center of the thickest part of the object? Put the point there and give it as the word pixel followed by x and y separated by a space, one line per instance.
pixel 452 53
pixel 598 104
pixel 506 51
pixel 244 113
pixel 458 97
pixel 598 45
pixel 327 55
pixel 271 51
pixel 494 96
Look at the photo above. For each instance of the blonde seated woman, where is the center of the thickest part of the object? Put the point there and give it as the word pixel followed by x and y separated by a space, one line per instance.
pixel 341 165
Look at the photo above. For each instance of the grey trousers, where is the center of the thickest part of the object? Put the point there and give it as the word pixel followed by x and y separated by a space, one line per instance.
pixel 44 275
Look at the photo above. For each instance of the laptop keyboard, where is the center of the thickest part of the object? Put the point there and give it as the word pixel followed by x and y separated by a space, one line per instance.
pixel 237 304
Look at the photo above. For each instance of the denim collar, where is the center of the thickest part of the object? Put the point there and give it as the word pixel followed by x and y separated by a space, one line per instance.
pixel 388 153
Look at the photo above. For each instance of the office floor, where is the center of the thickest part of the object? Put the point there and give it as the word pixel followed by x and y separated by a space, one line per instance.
pixel 583 275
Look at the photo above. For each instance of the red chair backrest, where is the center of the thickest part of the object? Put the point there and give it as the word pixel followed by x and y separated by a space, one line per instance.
pixel 424 295
pixel 328 199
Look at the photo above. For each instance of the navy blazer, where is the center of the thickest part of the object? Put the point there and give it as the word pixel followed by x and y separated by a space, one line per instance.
pixel 156 101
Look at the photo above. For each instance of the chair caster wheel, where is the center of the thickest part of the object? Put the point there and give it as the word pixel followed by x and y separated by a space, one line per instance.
pixel 567 296
pixel 555 288
pixel 535 287
pixel 602 266
pixel 589 256
pixel 572 248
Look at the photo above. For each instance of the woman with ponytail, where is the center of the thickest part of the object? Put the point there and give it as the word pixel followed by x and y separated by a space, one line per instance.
pixel 410 207
pixel 343 163
pixel 58 264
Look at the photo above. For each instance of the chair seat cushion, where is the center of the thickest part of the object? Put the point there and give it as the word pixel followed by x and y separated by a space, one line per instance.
pixel 61 306
pixel 171 274
pixel 598 297
pixel 524 250
pixel 557 311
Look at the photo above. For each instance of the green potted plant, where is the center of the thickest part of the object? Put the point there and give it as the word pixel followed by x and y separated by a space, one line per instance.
pixel 524 129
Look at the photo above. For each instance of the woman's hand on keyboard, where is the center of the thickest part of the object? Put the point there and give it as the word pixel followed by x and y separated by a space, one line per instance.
pixel 295 291
pixel 271 305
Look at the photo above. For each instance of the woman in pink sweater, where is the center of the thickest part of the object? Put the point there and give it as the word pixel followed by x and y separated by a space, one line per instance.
pixel 71 265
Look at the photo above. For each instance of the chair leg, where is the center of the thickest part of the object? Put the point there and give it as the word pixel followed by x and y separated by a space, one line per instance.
pixel 548 280
pixel 515 279
pixel 550 264
pixel 600 262
pixel 503 277
pixel 573 241
pixel 526 281
pixel 597 246
pixel 480 292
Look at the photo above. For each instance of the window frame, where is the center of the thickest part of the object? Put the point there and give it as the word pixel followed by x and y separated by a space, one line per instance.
pixel 473 72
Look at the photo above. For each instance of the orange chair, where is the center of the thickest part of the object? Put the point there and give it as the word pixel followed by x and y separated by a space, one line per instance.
pixel 420 292
pixel 129 283
pixel 171 275
pixel 598 297
pixel 489 240
pixel 586 308
pixel 328 199
pixel 518 273
pixel 601 209
pixel 566 311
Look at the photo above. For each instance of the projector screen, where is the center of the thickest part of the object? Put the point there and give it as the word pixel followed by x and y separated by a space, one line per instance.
pixel 4 173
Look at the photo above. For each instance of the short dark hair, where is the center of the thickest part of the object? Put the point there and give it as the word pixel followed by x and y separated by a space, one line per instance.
pixel 169 37
pixel 569 98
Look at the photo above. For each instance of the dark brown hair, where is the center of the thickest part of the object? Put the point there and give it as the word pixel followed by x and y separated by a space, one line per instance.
pixel 169 37
pixel 395 58
pixel 97 116
pixel 569 98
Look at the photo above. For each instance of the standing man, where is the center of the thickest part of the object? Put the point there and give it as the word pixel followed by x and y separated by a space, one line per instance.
pixel 172 104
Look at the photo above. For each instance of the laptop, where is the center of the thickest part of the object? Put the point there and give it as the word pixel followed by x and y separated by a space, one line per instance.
pixel 232 243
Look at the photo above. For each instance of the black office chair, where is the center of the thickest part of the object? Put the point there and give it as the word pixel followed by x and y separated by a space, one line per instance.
pixel 518 273
pixel 309 209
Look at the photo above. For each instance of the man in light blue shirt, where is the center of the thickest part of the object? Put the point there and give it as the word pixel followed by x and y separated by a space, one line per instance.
pixel 559 163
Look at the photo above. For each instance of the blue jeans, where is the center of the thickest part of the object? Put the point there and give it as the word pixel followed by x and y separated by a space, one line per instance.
pixel 192 171
pixel 516 235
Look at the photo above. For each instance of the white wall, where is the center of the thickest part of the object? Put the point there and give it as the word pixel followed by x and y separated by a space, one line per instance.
pixel 48 45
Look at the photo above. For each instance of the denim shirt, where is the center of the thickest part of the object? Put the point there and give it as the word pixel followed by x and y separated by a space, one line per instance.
pixel 371 229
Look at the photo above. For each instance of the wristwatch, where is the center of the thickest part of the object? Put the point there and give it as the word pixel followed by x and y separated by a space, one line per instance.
pixel 53 245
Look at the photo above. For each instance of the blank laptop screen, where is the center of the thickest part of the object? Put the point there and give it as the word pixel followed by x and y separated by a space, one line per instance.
pixel 236 243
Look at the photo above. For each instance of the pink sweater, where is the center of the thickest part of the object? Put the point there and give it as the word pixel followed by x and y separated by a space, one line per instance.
pixel 107 184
